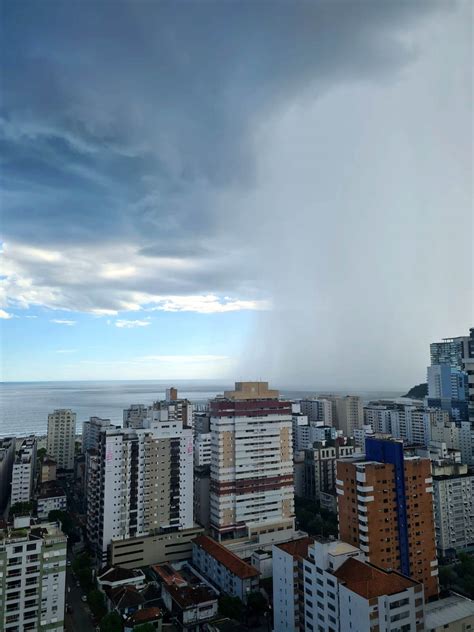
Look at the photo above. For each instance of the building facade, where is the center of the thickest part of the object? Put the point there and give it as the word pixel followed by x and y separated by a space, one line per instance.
pixel 139 482
pixel 288 588
pixel 251 463
pixel 91 430
pixel 453 495
pixel 224 569
pixel 32 577
pixel 23 473
pixel 385 507
pixel 61 438
pixel 7 457
pixel 320 467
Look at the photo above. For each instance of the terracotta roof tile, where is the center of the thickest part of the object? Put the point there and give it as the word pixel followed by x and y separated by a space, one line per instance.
pixel 369 581
pixel 228 559
pixel 297 548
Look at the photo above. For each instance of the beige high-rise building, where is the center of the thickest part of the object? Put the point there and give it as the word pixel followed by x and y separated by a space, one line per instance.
pixel 61 437
pixel 349 414
pixel 251 462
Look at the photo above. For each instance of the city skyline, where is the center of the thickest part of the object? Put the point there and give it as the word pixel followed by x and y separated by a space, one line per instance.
pixel 183 188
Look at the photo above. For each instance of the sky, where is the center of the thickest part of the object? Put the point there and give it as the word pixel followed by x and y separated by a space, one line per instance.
pixel 235 190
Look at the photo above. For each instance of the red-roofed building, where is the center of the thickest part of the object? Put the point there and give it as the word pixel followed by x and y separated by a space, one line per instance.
pixel 153 616
pixel 342 592
pixel 224 569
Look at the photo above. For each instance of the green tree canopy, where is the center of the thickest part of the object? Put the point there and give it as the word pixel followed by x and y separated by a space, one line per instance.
pixel 231 607
pixel 111 623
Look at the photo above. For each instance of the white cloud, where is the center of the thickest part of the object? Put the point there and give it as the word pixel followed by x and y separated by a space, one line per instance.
pixel 60 321
pixel 129 324
pixel 5 315
pixel 208 304
pixel 95 280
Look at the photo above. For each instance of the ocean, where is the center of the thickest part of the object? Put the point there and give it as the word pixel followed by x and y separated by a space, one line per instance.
pixel 24 406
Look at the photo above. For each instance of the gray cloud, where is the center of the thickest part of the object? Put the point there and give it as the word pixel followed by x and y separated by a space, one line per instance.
pixel 243 142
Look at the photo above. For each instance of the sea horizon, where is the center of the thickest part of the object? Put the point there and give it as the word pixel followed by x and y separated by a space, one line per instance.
pixel 24 406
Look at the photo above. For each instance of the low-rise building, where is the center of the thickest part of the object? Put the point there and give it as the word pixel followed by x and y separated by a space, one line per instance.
pixel 51 498
pixel 152 616
pixel 174 546
pixel 32 577
pixel 190 606
pixel 115 577
pixel 454 613
pixel 224 569
pixel 191 601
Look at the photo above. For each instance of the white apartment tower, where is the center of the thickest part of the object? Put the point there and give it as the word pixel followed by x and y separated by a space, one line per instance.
pixel 24 471
pixel 32 577
pixel 140 481
pixel 251 462
pixel 61 437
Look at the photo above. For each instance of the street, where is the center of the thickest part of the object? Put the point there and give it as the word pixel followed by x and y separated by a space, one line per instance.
pixel 80 619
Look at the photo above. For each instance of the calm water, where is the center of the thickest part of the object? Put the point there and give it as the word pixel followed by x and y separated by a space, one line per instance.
pixel 24 406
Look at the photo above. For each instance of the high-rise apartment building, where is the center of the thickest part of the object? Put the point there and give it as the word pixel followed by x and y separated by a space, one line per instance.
pixel 448 389
pixel 450 351
pixel 140 481
pixel 349 414
pixel 385 506
pixel 134 416
pixel 202 449
pixel 32 577
pixel 453 495
pixel 61 438
pixel 411 423
pixel 318 409
pixel 456 436
pixel 24 471
pixel 91 430
pixel 320 467
pixel 251 462
pixel 7 457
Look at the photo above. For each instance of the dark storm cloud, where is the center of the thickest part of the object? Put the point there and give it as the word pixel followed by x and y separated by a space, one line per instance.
pixel 122 109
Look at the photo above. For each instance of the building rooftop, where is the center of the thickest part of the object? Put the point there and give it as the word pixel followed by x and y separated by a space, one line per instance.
pixel 112 574
pixel 190 596
pixel 145 615
pixel 369 581
pixel 297 548
pixel 169 575
pixel 124 597
pixel 51 489
pixel 228 559
pixel 449 610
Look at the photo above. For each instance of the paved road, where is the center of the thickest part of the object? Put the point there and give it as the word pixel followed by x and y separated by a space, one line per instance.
pixel 80 619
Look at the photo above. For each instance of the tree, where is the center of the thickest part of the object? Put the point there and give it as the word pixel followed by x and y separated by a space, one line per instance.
pixel 41 453
pixel 111 623
pixel 19 509
pixel 144 627
pixel 231 607
pixel 96 602
pixel 256 604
